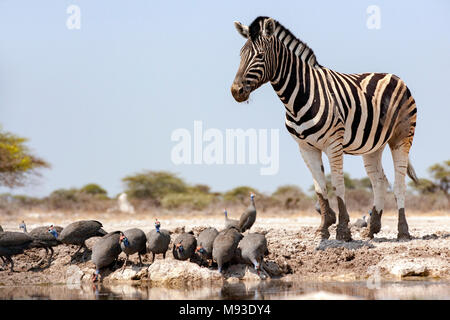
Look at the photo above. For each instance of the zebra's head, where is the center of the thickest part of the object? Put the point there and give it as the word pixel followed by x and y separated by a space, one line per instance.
pixel 257 57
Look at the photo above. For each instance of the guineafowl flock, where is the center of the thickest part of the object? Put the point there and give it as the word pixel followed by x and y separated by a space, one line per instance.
pixel 230 245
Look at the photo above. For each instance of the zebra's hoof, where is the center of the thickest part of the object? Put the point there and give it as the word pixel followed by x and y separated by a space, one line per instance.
pixel 324 233
pixel 343 233
pixel 403 237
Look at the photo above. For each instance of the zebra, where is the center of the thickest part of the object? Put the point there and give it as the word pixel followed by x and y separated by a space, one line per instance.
pixel 334 113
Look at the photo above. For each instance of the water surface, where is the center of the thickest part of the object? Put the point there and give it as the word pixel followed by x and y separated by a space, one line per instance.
pixel 264 290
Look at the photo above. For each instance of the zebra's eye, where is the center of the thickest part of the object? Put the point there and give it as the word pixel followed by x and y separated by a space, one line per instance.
pixel 259 55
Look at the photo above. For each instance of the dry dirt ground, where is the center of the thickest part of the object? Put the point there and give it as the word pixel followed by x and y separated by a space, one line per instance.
pixel 292 242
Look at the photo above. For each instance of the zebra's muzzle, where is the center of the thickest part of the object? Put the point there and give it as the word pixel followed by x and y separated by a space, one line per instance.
pixel 240 93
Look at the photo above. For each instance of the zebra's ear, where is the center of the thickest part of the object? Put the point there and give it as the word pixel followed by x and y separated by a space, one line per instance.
pixel 269 27
pixel 243 30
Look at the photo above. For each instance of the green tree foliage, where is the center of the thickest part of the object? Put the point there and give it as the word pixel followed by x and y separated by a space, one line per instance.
pixel 17 163
pixel 94 189
pixel 239 194
pixel 153 185
pixel 440 180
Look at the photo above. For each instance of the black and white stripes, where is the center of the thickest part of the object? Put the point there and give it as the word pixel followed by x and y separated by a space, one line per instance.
pixel 331 112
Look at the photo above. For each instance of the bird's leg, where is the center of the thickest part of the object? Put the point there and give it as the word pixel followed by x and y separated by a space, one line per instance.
pixel 11 262
pixel 153 259
pixel 125 264
pixel 263 269
pixel 51 255
pixel 83 257
pixel 164 255
pixel 140 260
pixel 46 254
pixel 73 256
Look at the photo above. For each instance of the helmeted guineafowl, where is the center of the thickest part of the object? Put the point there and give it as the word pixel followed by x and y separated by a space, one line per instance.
pixel 105 251
pixel 224 246
pixel 23 226
pixel 78 232
pixel 230 222
pixel 184 246
pixel 249 216
pixel 13 243
pixel 360 223
pixel 158 241
pixel 205 242
pixel 252 249
pixel 46 237
pixel 133 241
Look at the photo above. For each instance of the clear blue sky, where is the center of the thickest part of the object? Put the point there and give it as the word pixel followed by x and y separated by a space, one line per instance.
pixel 101 102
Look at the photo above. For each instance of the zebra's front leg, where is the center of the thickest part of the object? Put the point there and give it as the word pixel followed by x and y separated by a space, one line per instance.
pixel 335 156
pixel 313 160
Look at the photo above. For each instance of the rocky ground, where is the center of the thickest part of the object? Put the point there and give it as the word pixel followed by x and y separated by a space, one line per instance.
pixel 294 252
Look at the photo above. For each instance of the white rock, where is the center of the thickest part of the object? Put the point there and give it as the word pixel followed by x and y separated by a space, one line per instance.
pixel 408 268
pixel 404 267
pixel 131 273
pixel 175 272
pixel 74 275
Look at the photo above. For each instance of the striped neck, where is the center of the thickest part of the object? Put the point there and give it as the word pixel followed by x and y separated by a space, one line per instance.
pixel 295 62
pixel 287 44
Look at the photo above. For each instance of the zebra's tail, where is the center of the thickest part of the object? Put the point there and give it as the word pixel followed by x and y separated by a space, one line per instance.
pixel 412 173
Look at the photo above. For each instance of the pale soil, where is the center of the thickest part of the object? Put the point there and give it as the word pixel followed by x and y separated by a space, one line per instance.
pixel 293 245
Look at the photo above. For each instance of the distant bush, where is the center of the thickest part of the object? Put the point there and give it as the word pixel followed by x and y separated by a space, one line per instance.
pixel 76 199
pixel 240 194
pixel 153 185
pixel 93 189
pixel 439 183
pixel 10 204
pixel 200 188
pixel 358 199
pixel 194 201
pixel 289 197
pixel 63 198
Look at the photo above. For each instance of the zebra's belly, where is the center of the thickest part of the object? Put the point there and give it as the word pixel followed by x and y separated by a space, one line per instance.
pixel 359 145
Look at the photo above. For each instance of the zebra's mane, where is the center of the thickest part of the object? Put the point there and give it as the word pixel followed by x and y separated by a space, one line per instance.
pixel 287 36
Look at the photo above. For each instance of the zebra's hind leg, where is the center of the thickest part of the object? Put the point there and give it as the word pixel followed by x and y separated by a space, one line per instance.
pixel 335 155
pixel 313 160
pixel 374 169
pixel 400 158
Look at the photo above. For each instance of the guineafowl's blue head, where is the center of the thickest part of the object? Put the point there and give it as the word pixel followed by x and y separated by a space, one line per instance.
pixel 370 212
pixel 96 276
pixel 157 225
pixel 225 213
pixel 23 226
pixel 200 249
pixel 53 231
pixel 179 247
pixel 252 196
pixel 124 240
